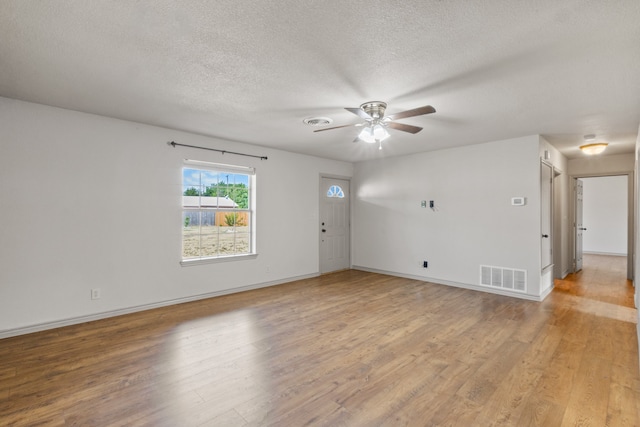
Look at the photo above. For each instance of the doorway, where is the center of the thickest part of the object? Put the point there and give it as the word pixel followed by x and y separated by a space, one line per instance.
pixel 335 232
pixel 603 219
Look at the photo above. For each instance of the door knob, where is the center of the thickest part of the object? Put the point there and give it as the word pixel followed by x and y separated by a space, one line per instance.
pixel 324 231
pixel 545 236
pixel 582 228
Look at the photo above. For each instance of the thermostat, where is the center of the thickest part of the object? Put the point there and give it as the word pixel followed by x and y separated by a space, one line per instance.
pixel 518 201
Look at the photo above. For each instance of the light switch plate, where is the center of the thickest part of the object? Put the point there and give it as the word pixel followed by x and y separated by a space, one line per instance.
pixel 518 201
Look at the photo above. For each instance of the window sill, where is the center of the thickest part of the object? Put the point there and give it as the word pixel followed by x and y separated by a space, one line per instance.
pixel 200 261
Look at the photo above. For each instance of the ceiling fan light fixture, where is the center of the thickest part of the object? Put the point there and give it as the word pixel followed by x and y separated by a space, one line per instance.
pixel 373 133
pixel 367 135
pixel 374 123
pixel 595 148
pixel 380 133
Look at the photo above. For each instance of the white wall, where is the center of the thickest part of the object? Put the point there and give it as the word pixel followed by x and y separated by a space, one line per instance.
pixel 473 222
pixel 601 165
pixel 605 215
pixel 636 242
pixel 93 202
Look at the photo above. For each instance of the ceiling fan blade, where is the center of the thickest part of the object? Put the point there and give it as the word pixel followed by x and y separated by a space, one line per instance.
pixel 403 127
pixel 360 113
pixel 427 109
pixel 334 127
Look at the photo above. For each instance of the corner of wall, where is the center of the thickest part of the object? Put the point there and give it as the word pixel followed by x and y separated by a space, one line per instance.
pixel 636 260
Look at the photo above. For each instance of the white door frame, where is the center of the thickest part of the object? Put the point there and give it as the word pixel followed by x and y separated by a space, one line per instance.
pixel 321 198
pixel 578 224
pixel 556 224
pixel 548 230
pixel 630 215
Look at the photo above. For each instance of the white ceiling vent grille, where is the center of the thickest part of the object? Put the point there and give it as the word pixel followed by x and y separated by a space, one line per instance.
pixel 503 278
pixel 317 121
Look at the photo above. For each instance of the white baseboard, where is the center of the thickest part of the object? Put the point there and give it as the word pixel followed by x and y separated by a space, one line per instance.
pixel 113 313
pixel 603 253
pixel 547 291
pixel 457 285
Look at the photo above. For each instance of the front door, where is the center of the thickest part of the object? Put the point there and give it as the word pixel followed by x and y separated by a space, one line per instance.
pixel 334 225
pixel 579 227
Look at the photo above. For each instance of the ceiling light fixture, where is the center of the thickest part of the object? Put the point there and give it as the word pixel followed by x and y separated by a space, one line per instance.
pixel 374 127
pixel 595 148
pixel 373 133
pixel 592 147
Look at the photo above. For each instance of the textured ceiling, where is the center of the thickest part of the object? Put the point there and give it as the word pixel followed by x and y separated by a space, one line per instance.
pixel 251 71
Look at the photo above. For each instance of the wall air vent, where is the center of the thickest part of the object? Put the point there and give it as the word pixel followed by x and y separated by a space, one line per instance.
pixel 503 278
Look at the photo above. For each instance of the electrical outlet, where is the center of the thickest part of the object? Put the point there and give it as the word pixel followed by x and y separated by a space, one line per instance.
pixel 425 264
pixel 95 293
pixel 267 269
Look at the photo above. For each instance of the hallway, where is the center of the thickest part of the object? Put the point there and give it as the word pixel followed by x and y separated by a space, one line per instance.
pixel 600 312
pixel 603 278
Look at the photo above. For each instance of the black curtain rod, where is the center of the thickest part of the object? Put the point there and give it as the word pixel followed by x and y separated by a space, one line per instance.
pixel 174 144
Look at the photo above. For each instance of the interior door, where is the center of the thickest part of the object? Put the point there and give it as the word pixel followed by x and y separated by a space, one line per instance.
pixel 579 227
pixel 546 182
pixel 334 225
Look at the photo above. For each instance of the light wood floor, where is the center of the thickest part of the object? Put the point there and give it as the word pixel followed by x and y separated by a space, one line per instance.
pixel 345 349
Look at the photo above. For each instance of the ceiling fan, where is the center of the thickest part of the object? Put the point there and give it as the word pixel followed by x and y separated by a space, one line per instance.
pixel 376 124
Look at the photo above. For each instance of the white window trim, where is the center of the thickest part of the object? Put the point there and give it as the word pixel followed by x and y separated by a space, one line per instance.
pixel 200 261
pixel 220 167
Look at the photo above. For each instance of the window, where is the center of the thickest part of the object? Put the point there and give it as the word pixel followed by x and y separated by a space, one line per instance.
pixel 335 191
pixel 217 211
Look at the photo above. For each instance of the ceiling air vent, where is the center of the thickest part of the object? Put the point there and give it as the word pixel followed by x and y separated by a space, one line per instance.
pixel 317 121
pixel 504 278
